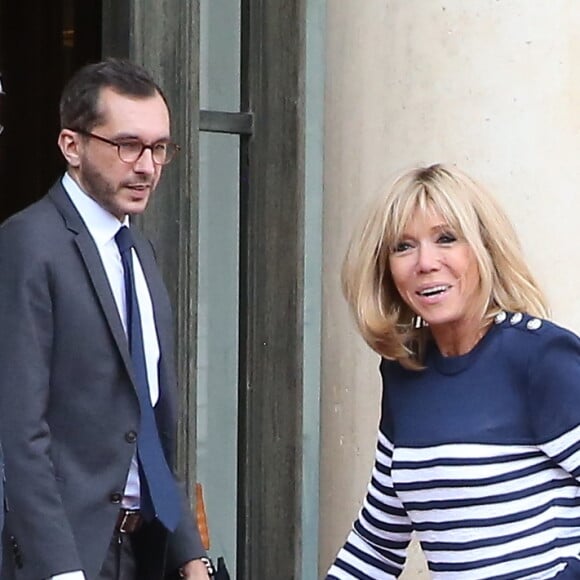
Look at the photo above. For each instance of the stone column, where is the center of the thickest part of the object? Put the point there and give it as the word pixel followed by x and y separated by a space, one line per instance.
pixel 490 85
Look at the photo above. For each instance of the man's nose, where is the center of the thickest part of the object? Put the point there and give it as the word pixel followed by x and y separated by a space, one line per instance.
pixel 145 163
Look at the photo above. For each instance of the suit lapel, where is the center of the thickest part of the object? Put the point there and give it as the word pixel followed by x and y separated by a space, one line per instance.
pixel 95 269
pixel 156 288
pixel 164 409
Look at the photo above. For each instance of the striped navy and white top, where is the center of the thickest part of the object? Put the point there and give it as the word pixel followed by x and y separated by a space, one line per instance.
pixel 479 456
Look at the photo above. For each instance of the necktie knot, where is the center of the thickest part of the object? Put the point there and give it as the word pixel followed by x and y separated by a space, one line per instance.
pixel 124 239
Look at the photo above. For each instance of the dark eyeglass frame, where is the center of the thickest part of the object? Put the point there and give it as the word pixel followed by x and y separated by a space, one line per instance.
pixel 170 150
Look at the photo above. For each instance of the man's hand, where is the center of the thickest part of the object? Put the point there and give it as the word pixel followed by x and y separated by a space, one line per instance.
pixel 194 570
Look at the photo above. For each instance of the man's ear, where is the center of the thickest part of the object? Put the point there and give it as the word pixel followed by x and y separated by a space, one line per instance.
pixel 70 146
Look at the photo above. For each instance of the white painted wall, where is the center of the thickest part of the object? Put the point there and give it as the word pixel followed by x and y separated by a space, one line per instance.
pixel 491 85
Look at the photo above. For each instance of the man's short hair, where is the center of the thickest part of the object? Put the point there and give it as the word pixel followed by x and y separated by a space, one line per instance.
pixel 79 102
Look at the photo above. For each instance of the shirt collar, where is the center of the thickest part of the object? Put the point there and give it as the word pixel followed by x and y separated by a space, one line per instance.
pixel 102 225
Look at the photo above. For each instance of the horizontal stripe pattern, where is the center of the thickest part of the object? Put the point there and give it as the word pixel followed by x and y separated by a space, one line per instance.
pixel 480 511
pixel 376 546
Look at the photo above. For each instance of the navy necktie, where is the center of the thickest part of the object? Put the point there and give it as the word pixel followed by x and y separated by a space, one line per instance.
pixel 159 496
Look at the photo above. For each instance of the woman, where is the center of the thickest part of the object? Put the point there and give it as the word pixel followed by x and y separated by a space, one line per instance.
pixel 479 439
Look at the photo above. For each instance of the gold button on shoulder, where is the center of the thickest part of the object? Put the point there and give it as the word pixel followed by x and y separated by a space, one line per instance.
pixel 516 318
pixel 534 324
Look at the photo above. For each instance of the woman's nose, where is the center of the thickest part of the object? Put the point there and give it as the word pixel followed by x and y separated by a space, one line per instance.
pixel 428 258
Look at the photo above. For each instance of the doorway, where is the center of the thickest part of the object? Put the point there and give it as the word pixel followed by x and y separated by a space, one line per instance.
pixel 41 45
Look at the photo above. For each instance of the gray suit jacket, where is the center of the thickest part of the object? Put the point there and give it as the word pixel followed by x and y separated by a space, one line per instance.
pixel 68 405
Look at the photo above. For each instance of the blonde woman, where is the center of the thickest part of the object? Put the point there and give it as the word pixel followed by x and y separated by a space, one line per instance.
pixel 480 426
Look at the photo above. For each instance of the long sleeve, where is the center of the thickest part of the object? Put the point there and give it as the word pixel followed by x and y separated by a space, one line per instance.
pixel 42 528
pixel 554 400
pixel 377 544
pixel 185 542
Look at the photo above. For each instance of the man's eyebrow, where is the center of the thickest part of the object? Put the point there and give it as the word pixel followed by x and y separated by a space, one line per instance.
pixel 132 137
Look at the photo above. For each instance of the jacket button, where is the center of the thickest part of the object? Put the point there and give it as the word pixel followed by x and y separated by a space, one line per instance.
pixel 130 436
pixel 17 553
pixel 116 497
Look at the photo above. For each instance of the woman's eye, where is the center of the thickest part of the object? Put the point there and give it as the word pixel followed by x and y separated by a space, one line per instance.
pixel 446 238
pixel 401 247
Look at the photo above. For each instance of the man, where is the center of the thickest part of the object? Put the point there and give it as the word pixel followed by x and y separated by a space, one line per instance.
pixel 87 385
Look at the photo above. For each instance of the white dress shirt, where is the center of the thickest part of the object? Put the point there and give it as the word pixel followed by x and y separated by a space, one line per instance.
pixel 102 227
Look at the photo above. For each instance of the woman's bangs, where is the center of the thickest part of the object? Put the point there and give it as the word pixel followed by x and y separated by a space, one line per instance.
pixel 443 204
pixel 403 211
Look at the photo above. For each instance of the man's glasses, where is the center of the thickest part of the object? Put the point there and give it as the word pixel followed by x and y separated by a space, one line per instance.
pixel 131 150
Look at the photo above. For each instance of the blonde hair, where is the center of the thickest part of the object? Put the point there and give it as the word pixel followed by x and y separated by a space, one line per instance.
pixel 384 320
